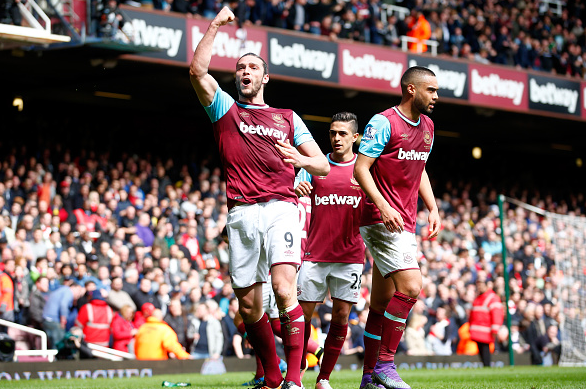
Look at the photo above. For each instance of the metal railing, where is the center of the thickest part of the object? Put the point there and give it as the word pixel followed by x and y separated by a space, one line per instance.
pixel 419 44
pixel 388 9
pixel 109 353
pixel 546 5
pixel 43 352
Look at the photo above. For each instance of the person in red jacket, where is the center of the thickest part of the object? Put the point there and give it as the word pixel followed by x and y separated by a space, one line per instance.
pixel 95 318
pixel 123 330
pixel 485 320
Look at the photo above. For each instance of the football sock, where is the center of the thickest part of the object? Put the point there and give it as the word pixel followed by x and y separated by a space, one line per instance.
pixel 332 348
pixel 292 331
pixel 262 340
pixel 372 338
pixel 394 326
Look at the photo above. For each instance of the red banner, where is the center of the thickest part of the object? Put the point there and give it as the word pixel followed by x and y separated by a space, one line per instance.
pixel 230 43
pixel 497 87
pixel 371 68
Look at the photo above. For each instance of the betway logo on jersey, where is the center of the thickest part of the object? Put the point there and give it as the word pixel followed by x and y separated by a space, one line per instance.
pixel 551 94
pixel 451 80
pixel 495 86
pixel 334 199
pixel 261 130
pixel 165 38
pixel 368 66
pixel 413 155
pixel 298 56
pixel 225 45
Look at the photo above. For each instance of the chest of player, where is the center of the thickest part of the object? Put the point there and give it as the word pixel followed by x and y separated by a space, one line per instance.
pixel 338 188
pixel 267 124
pixel 409 143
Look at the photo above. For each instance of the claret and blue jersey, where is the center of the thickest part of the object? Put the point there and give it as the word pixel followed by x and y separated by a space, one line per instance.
pixel 246 135
pixel 401 148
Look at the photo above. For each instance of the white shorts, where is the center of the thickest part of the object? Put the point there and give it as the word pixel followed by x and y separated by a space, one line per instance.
pixel 269 303
pixel 391 251
pixel 343 280
pixel 262 235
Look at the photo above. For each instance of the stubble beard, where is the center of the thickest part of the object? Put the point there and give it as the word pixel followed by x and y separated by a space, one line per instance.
pixel 251 92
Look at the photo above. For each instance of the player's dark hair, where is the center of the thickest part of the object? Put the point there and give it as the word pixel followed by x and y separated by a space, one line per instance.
pixel 347 117
pixel 412 74
pixel 265 66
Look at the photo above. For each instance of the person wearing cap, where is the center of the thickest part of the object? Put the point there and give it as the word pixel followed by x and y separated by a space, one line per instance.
pixel 146 310
pixel 94 319
pixel 155 340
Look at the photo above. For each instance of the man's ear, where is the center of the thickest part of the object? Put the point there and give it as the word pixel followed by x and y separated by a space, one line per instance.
pixel 265 79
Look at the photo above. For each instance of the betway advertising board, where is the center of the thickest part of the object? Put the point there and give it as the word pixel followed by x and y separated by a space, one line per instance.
pixel 554 95
pixel 452 77
pixel 497 87
pixel 163 32
pixel 295 56
pixel 230 43
pixel 371 68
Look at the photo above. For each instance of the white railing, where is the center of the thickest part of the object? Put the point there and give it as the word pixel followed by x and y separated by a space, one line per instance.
pixel 388 9
pixel 109 353
pixel 43 352
pixel 419 44
pixel 544 6
pixel 25 11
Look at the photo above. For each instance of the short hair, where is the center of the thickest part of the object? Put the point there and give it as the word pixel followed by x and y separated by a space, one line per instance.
pixel 265 66
pixel 347 117
pixel 412 74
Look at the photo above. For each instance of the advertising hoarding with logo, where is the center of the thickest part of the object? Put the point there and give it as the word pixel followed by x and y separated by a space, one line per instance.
pixel 554 95
pixel 163 32
pixel 303 58
pixel 230 43
pixel 371 68
pixel 497 87
pixel 452 77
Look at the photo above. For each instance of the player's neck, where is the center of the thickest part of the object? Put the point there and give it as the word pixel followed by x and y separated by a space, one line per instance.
pixel 258 99
pixel 342 158
pixel 409 111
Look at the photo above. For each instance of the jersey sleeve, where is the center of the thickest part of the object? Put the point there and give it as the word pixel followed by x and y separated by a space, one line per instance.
pixel 376 136
pixel 301 134
pixel 220 105
pixel 303 175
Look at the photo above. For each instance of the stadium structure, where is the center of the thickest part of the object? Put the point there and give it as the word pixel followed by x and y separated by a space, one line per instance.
pixel 513 129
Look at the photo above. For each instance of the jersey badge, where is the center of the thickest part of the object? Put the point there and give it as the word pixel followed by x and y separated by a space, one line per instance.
pixel 369 132
pixel 427 137
pixel 244 114
pixel 407 258
pixel 277 117
pixel 405 136
pixel 353 181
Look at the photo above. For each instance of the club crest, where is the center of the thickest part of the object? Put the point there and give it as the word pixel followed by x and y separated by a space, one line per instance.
pixel 427 137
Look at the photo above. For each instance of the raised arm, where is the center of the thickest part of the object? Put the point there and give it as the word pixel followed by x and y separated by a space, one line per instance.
pixel 390 216
pixel 204 84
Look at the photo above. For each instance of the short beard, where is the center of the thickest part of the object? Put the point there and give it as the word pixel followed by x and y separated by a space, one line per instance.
pixel 248 94
pixel 423 108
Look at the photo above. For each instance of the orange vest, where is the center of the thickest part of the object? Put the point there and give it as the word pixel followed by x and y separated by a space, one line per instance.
pixel 155 339
pixel 6 292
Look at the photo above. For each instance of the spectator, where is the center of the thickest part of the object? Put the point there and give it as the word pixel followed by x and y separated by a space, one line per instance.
pixel 37 302
pixel 123 330
pixel 177 320
pixel 550 346
pixel 58 308
pixel 205 332
pixel 95 318
pixel 485 319
pixel 155 340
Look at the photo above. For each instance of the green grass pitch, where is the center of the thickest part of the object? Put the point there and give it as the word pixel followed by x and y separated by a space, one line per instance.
pixel 526 377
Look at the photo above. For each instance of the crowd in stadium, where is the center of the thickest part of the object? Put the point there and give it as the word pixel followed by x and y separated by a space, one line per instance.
pixel 138 239
pixel 528 34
